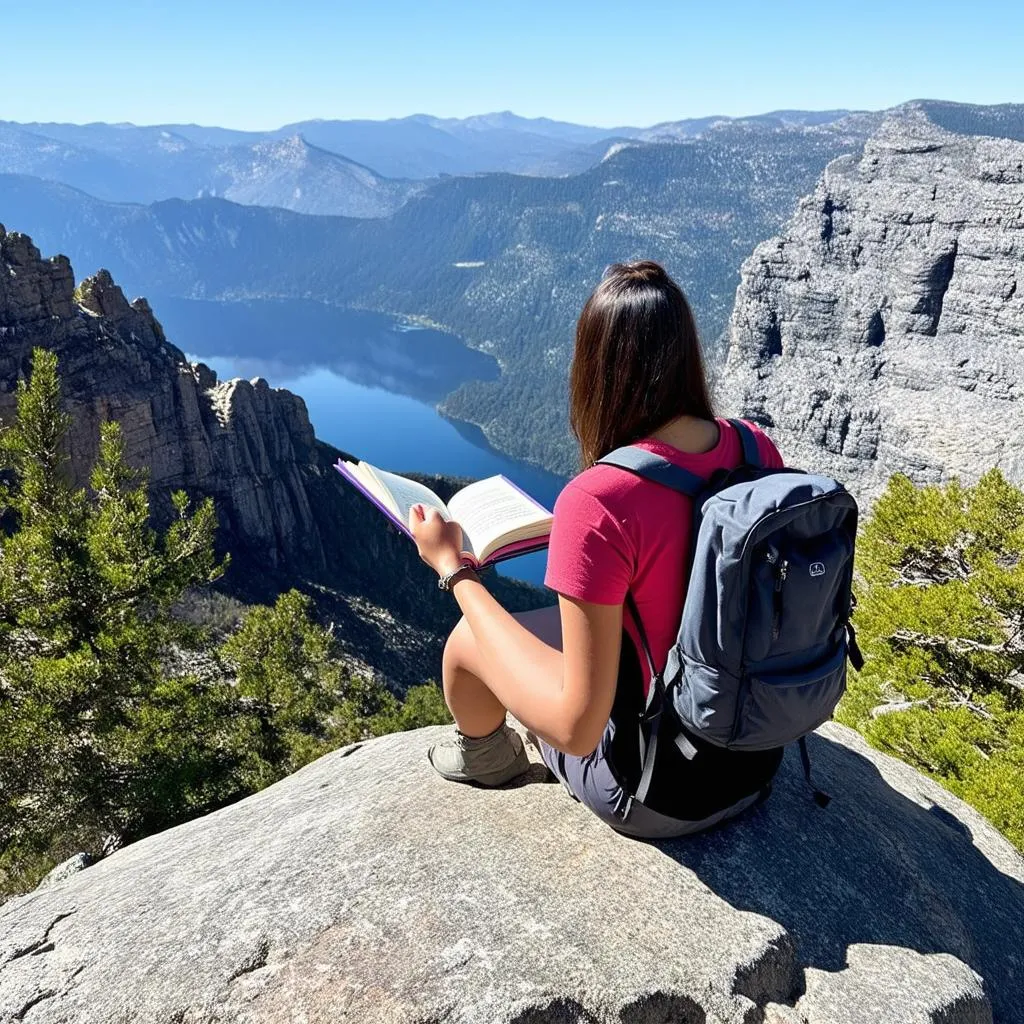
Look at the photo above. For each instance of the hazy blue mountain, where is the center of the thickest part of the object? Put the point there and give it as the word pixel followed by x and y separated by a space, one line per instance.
pixel 141 164
pixel 129 164
pixel 24 151
pixel 689 128
pixel 422 146
pixel 400 148
pixel 1004 120
pixel 149 163
pixel 210 135
pixel 289 172
pixel 581 158
pixel 123 141
pixel 564 131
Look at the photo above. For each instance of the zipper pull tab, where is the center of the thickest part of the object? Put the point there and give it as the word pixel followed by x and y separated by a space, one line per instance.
pixel 781 574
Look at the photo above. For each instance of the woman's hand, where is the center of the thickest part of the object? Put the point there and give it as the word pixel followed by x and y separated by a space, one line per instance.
pixel 439 541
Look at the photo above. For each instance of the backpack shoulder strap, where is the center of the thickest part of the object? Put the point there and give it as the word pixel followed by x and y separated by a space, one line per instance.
pixel 655 468
pixel 751 453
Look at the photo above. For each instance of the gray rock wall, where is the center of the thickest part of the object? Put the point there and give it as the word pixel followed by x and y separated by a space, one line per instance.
pixel 242 442
pixel 883 331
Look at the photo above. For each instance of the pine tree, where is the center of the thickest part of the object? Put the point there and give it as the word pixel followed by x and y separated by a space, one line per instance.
pixel 104 736
pixel 297 700
pixel 941 619
pixel 99 743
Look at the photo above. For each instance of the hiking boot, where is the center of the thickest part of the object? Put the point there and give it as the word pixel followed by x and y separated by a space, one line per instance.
pixel 490 760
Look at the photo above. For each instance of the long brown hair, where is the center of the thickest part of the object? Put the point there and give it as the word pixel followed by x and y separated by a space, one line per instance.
pixel 637 362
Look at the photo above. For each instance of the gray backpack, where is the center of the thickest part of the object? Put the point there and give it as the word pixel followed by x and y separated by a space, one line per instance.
pixel 760 657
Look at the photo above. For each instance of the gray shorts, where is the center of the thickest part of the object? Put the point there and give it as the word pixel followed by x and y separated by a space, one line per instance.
pixel 592 781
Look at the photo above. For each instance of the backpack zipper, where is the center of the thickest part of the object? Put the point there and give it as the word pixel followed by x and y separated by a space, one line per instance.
pixel 781 572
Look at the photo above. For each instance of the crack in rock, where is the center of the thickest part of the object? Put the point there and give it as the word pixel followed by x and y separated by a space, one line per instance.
pixel 43 945
pixel 34 1001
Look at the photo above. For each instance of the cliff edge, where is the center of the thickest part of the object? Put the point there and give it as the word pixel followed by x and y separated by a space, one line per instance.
pixel 366 889
pixel 248 445
pixel 285 515
pixel 883 330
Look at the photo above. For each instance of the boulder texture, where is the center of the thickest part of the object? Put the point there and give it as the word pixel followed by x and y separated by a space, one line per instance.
pixel 364 888
pixel 883 331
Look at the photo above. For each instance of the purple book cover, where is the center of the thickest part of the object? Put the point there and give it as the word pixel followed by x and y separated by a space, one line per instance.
pixel 520 547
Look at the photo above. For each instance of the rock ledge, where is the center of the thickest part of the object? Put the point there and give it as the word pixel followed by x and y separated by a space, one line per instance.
pixel 364 888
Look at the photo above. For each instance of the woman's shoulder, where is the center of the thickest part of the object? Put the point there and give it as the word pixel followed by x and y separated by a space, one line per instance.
pixel 616 488
pixel 770 455
pixel 607 485
pixel 724 454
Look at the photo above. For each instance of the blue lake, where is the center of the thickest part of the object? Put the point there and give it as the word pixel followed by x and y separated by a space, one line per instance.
pixel 370 383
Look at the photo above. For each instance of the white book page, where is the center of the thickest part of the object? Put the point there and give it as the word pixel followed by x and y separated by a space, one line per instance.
pixel 404 493
pixel 491 508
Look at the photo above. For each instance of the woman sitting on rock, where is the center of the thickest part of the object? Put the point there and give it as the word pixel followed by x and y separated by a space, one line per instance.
pixel 571 674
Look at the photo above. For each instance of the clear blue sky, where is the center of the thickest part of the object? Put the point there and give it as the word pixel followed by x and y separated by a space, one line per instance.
pixel 259 65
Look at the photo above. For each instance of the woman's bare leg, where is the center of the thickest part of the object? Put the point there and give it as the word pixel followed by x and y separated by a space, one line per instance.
pixel 477 712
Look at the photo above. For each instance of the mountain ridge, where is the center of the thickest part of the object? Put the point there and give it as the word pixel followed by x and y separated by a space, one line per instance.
pixel 504 261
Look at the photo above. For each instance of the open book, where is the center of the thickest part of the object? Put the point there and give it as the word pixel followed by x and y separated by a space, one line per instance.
pixel 498 520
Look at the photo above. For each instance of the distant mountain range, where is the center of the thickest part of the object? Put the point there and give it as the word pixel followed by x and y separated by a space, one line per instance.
pixel 350 168
pixel 146 165
pixel 359 168
pixel 503 260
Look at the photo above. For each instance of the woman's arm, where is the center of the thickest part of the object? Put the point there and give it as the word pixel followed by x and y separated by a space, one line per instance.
pixel 564 696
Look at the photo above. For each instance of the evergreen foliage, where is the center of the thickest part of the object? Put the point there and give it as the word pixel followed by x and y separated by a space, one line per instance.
pixel 115 721
pixel 298 701
pixel 88 753
pixel 941 621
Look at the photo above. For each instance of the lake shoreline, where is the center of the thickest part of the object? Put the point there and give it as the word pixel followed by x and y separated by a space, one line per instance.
pixel 374 386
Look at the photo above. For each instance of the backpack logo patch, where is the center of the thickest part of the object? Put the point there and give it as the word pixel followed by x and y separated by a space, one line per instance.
pixel 817 568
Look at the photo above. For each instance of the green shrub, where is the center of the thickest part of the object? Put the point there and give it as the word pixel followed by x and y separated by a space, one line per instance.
pixel 86 587
pixel 940 617
pixel 114 719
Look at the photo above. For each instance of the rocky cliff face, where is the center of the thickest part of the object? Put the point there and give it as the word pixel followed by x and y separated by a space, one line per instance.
pixel 366 889
pixel 883 331
pixel 247 445
pixel 284 512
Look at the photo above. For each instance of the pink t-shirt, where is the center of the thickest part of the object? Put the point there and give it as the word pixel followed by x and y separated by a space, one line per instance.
pixel 614 531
